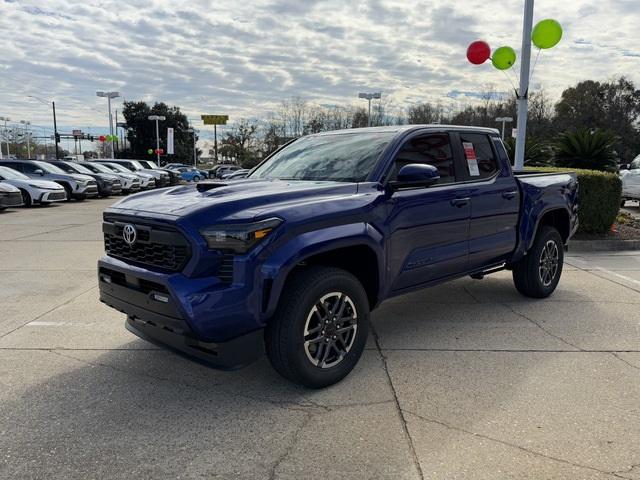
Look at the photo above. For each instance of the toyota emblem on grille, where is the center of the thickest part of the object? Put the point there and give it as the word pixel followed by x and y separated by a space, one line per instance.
pixel 129 234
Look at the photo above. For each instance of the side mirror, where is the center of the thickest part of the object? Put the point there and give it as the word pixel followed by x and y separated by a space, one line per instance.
pixel 39 172
pixel 415 175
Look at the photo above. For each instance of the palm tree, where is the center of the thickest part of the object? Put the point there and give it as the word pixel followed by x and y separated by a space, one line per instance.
pixel 591 149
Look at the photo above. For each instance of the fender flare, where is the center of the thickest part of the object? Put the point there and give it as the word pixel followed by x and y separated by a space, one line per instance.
pixel 279 264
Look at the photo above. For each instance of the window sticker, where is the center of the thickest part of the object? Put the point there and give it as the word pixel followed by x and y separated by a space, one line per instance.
pixel 472 160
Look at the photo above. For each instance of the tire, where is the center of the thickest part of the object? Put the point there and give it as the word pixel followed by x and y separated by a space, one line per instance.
pixel 537 274
pixel 67 189
pixel 328 360
pixel 26 198
pixel 195 178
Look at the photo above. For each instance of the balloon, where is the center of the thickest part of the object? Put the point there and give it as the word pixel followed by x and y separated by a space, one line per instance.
pixel 478 52
pixel 159 151
pixel 504 58
pixel 546 34
pixel 102 138
pixel 150 151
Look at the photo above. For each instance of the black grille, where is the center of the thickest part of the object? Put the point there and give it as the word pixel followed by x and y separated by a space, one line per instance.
pixel 57 196
pixel 159 247
pixel 225 269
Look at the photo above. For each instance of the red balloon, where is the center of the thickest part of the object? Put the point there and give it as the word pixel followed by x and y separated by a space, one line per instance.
pixel 159 151
pixel 102 138
pixel 478 52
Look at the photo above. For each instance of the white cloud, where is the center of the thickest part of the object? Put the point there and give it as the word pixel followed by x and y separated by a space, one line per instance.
pixel 242 58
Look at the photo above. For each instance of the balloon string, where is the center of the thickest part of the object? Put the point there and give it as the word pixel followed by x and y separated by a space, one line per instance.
pixel 534 64
pixel 509 78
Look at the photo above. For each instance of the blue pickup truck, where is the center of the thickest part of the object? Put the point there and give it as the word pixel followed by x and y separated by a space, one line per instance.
pixel 292 259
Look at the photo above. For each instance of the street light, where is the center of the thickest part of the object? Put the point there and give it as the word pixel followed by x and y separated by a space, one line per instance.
pixel 6 136
pixel 195 152
pixel 26 127
pixel 109 96
pixel 504 120
pixel 369 97
pixel 55 124
pixel 157 118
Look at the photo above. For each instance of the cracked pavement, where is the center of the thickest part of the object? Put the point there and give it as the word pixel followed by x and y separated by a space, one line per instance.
pixel 467 380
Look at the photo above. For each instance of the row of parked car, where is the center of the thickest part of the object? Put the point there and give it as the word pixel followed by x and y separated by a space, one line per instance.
pixel 30 182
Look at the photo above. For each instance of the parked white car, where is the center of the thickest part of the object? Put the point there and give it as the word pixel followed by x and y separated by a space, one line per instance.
pixel 631 181
pixel 9 196
pixel 33 191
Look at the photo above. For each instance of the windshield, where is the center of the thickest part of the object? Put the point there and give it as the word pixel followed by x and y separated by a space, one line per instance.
pixel 137 165
pixel 118 168
pixel 47 167
pixel 10 174
pixel 80 168
pixel 149 164
pixel 338 158
pixel 98 168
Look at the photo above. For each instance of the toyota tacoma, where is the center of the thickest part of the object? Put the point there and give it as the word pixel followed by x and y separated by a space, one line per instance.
pixel 292 259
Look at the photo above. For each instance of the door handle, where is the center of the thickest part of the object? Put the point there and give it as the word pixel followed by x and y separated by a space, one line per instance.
pixel 509 195
pixel 460 202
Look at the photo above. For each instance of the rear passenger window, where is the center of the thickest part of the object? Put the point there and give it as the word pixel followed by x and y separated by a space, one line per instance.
pixel 434 149
pixel 479 156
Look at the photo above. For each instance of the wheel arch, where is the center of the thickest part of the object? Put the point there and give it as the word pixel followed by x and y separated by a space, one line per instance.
pixel 356 248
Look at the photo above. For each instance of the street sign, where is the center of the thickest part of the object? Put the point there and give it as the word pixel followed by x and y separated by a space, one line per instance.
pixel 215 119
pixel 169 141
pixel 77 133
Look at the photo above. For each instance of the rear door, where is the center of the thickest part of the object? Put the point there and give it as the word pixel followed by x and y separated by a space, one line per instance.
pixel 428 226
pixel 495 199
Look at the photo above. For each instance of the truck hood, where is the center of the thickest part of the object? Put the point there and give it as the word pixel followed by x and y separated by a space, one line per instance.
pixel 236 200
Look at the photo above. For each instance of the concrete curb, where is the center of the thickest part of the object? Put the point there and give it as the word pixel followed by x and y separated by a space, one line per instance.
pixel 603 245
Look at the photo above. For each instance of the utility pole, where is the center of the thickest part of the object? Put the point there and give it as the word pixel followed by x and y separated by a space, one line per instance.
pixel 157 118
pixel 523 93
pixel 6 135
pixel 55 131
pixel 369 97
pixel 26 129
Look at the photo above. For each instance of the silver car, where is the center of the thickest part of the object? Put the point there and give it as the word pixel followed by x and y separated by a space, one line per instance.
pixel 33 191
pixel 77 185
pixel 130 181
pixel 9 196
pixel 147 181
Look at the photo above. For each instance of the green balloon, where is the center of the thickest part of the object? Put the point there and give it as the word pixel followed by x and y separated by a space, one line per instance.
pixel 503 58
pixel 546 34
pixel 150 151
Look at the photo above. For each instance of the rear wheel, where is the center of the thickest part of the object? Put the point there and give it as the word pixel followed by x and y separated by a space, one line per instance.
pixel 26 198
pixel 320 328
pixel 538 273
pixel 196 178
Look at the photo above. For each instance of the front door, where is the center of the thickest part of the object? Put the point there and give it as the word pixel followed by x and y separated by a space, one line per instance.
pixel 428 226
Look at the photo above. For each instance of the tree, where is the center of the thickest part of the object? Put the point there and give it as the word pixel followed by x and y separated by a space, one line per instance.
pixel 240 144
pixel 423 113
pixel 588 149
pixel 611 106
pixel 141 132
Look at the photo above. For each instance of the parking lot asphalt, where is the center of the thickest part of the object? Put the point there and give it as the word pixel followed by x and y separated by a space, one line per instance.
pixel 468 380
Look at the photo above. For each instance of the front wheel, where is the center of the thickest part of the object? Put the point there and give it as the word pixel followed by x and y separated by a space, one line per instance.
pixel 538 273
pixel 196 178
pixel 26 198
pixel 320 328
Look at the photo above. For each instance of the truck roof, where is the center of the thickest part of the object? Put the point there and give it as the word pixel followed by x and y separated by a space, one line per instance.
pixel 406 128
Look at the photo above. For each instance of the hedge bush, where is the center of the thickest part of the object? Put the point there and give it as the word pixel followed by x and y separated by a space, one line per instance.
pixel 599 197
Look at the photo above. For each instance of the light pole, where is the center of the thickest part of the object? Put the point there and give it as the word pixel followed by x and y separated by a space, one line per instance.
pixel 369 97
pixel 504 120
pixel 157 118
pixel 523 92
pixel 55 124
pixel 109 96
pixel 26 128
pixel 6 136
pixel 195 152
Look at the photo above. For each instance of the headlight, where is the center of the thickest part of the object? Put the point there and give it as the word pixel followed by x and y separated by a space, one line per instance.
pixel 241 237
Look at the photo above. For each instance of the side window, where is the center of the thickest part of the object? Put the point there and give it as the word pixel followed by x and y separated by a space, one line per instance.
pixel 433 149
pixel 479 156
pixel 29 168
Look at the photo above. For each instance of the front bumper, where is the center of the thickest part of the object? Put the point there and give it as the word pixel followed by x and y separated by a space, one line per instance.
pixel 160 310
pixel 11 200
pixel 53 196
pixel 111 189
pixel 89 191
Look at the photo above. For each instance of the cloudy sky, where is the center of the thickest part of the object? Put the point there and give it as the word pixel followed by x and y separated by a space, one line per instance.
pixel 243 57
